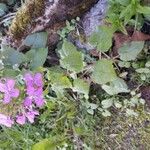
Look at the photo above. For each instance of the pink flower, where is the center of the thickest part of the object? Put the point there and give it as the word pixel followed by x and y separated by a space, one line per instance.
pixel 31 115
pixel 34 85
pixel 33 99
pixel 39 101
pixel 21 119
pixel 9 90
pixel 6 121
pixel 27 101
pixel 34 79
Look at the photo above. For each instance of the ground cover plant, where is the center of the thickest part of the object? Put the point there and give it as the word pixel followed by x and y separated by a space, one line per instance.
pixel 83 93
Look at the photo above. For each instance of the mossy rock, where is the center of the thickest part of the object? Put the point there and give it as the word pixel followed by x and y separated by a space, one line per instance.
pixel 37 15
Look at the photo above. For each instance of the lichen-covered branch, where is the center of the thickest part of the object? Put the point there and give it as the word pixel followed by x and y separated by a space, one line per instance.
pixel 25 17
pixel 37 15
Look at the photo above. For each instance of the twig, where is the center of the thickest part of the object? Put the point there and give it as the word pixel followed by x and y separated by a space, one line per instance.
pixel 7 19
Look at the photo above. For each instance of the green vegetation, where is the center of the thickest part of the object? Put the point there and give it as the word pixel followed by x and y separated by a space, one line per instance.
pixel 92 102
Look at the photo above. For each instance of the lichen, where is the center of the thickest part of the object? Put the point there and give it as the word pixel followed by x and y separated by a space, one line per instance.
pixel 94 17
pixel 38 15
pixel 25 16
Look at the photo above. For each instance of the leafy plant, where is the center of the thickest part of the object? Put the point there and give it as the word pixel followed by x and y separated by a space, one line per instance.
pixel 36 40
pixel 104 72
pixel 130 51
pixel 102 38
pixel 124 11
pixel 71 59
pixel 82 98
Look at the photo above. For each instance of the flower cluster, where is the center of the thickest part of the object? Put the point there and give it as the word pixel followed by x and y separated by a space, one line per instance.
pixel 9 90
pixel 33 99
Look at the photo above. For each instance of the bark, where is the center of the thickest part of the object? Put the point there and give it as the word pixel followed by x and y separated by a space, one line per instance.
pixel 38 15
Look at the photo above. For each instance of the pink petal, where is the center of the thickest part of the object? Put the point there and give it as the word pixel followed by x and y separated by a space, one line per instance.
pixel 6 121
pixel 27 102
pixel 35 112
pixel 38 79
pixel 7 98
pixel 10 84
pixel 28 78
pixel 38 92
pixel 39 102
pixel 21 119
pixel 30 90
pixel 30 116
pixel 14 93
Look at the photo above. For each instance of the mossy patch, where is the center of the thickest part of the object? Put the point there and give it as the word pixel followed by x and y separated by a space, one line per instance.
pixel 123 133
pixel 25 16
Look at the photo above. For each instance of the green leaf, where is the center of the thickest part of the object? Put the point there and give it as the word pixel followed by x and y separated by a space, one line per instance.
pixel 147 17
pixel 48 144
pixel 71 59
pixel 123 2
pixel 143 10
pixel 90 105
pixel 147 64
pixel 93 106
pixel 102 39
pixel 81 86
pixel 44 145
pixel 36 40
pixel 90 111
pixel 107 103
pixel 106 113
pixel 10 2
pixel 67 49
pixel 130 51
pixel 103 72
pixel 37 57
pixel 125 64
pixel 127 13
pixel 12 56
pixel 116 86
pixel 10 73
pixel 143 70
pixel 130 112
pixel 117 23
pixel 3 9
pixel 117 104
pixel 58 79
pixel 142 101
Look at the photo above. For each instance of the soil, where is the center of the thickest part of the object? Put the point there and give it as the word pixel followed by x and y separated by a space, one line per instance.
pixel 145 91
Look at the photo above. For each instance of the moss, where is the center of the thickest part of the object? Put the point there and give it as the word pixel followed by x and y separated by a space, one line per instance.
pixel 25 16
pixel 122 132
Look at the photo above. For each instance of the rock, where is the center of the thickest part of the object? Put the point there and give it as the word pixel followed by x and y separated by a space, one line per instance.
pixel 94 17
pixel 38 15
pixel 90 21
